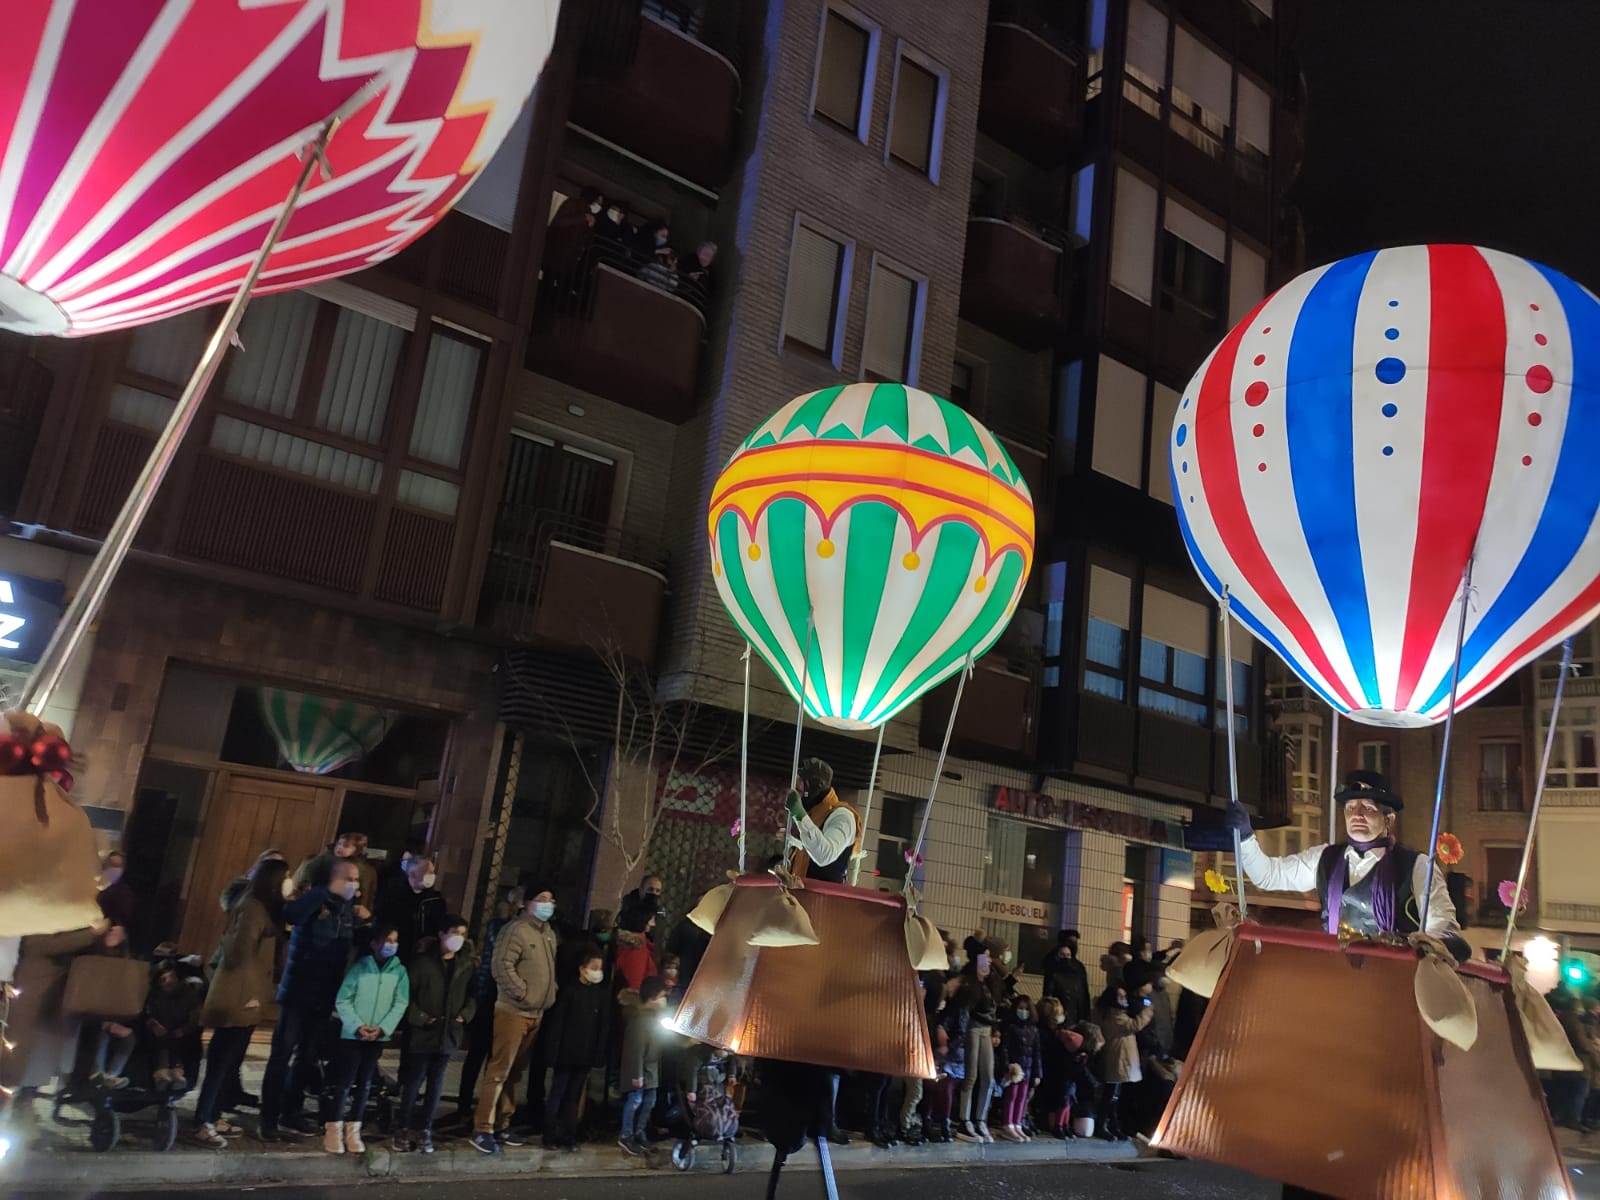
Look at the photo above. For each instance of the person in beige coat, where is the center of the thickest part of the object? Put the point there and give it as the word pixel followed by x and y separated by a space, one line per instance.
pixel 239 994
pixel 1122 1016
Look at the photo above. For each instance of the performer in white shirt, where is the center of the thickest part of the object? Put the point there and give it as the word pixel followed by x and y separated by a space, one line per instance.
pixel 828 833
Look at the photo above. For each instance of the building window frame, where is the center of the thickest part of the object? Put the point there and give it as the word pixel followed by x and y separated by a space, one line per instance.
pixel 905 52
pixel 917 318
pixel 869 69
pixel 977 382
pixel 1376 756
pixel 1500 791
pixel 841 290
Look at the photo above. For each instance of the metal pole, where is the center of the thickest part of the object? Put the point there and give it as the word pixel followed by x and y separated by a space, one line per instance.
pixel 1333 784
pixel 866 812
pixel 744 756
pixel 799 724
pixel 938 770
pixel 1233 746
pixel 91 594
pixel 1444 752
pixel 1538 799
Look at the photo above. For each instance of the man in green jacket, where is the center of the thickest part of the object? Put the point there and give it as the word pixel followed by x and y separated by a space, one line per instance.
pixel 524 970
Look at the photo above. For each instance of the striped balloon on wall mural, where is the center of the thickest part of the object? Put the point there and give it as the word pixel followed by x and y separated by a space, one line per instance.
pixel 317 735
pixel 1367 430
pixel 893 520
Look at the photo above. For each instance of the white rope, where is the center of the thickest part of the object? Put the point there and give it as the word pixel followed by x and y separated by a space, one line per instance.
pixel 1538 799
pixel 866 812
pixel 1333 784
pixel 1444 749
pixel 938 770
pixel 1233 746
pixel 744 758
pixel 794 765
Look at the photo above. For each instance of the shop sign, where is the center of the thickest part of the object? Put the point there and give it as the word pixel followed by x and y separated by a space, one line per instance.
pixel 1011 908
pixel 29 610
pixel 1074 814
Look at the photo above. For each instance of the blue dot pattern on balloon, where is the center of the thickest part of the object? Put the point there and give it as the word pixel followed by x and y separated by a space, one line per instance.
pixel 1394 304
pixel 1389 410
pixel 1184 467
pixel 1387 451
pixel 1183 434
pixel 1391 334
pixel 1391 370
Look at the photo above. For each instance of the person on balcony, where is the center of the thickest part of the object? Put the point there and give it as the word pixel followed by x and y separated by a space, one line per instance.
pixel 1371 884
pixel 697 272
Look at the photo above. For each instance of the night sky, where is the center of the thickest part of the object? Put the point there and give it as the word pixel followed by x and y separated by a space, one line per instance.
pixel 1453 121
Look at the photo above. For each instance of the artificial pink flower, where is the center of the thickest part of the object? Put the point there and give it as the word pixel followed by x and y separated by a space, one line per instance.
pixel 913 861
pixel 738 828
pixel 1508 891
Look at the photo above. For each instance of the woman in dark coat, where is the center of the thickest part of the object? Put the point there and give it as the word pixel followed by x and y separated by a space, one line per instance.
pixel 442 1005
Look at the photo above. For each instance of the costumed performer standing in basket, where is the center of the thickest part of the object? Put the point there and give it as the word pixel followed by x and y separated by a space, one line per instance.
pixel 1370 884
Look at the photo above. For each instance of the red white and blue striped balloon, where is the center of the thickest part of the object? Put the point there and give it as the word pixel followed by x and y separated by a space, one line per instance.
pixel 1365 431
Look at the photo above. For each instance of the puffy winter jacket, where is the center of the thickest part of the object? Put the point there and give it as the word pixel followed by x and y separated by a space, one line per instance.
pixel 324 931
pixel 442 1004
pixel 575 1030
pixel 1121 1028
pixel 373 993
pixel 1019 1044
pixel 525 966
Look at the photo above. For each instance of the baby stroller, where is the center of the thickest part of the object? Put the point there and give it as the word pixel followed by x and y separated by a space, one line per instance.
pixel 711 1116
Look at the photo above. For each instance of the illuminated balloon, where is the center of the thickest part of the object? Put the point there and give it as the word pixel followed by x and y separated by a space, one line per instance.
pixel 892 518
pixel 1367 430
pixel 151 143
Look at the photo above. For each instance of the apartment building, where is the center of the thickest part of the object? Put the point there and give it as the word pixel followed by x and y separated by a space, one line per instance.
pixel 440 512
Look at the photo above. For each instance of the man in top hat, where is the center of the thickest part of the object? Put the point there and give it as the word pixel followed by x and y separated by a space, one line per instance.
pixel 828 832
pixel 1370 883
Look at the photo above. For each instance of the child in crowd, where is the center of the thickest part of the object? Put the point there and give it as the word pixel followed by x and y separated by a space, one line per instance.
pixel 372 999
pixel 641 1061
pixel 1019 1067
pixel 442 1003
pixel 111 1055
pixel 170 1016
pixel 950 1027
pixel 1060 1055
pixel 574 1040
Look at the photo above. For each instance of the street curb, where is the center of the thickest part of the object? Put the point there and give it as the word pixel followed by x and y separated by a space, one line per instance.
pixel 43 1169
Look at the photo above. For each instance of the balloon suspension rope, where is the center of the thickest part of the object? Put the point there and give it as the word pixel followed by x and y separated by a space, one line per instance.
pixel 91 594
pixel 799 725
pixel 1444 750
pixel 938 771
pixel 1538 799
pixel 1333 784
pixel 866 811
pixel 1233 745
pixel 744 757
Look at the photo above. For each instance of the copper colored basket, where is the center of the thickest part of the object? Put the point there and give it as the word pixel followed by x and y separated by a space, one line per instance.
pixel 1313 1067
pixel 850 1002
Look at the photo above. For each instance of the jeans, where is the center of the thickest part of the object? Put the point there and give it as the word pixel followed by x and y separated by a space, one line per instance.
pixel 561 1111
pixel 975 1092
pixel 223 1058
pixel 295 1044
pixel 415 1070
pixel 636 1112
pixel 111 1053
pixel 354 1064
pixel 514 1033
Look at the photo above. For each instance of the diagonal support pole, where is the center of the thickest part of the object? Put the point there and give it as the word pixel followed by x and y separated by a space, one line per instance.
pixel 1233 743
pixel 1444 750
pixel 866 812
pixel 1538 800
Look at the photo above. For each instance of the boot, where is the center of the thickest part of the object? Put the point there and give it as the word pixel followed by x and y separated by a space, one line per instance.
pixel 333 1137
pixel 352 1138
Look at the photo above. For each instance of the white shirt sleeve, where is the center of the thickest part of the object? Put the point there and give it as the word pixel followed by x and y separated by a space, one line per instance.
pixel 1293 873
pixel 837 835
pixel 1441 909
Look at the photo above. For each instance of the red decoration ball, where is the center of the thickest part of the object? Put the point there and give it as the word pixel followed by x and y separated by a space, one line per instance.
pixel 63 780
pixel 13 754
pixel 50 753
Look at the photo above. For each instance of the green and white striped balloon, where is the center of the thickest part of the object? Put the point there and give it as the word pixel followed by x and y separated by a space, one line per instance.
pixel 887 519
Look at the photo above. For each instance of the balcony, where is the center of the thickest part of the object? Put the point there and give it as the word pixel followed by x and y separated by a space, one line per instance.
pixel 564 583
pixel 24 392
pixel 1014 281
pixel 615 324
pixel 1500 794
pixel 657 91
pixel 999 715
pixel 1033 83
pixel 471 260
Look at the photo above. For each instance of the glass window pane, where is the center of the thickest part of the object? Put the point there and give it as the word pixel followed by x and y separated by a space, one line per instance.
pixel 915 106
pixel 1105 644
pixel 276 337
pixel 813 289
pixel 449 385
pixel 1104 685
pixel 1153 661
pixel 891 309
pixel 360 376
pixel 844 63
pixel 1189 672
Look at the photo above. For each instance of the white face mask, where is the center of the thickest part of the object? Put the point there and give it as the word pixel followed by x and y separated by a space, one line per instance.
pixel 453 943
pixel 288 888
pixel 593 976
pixel 1058 1019
pixel 349 888
pixel 110 875
pixel 1006 958
pixel 595 208
pixel 957 962
pixel 615 214
pixel 429 879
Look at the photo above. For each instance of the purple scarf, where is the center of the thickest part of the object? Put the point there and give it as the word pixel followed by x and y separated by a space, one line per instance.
pixel 1383 885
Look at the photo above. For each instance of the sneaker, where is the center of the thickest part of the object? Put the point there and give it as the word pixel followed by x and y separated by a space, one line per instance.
pixel 424 1143
pixel 630 1146
pixel 510 1137
pixel 402 1143
pixel 983 1133
pixel 271 1133
pixel 227 1128
pixel 965 1133
pixel 111 1083
pixel 485 1143
pixel 207 1136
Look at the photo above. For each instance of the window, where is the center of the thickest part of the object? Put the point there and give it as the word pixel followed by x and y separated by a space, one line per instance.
pixel 1500 776
pixel 1025 862
pixel 892 346
pixel 1055 615
pixel 1133 236
pixel 898 821
pixel 1164 408
pixel 1192 252
pixel 449 381
pixel 1080 216
pixel 1146 57
pixel 1119 403
pixel 1374 756
pixel 844 72
pixel 1202 94
pixel 1252 136
pixel 916 115
pixel 1105 642
pixel 1583 658
pixel 1243 648
pixel 1174 644
pixel 1573 760
pixel 966 385
pixel 1247 281
pixel 819 272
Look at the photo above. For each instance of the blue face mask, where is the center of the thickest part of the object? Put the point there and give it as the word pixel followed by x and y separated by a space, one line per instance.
pixel 388 950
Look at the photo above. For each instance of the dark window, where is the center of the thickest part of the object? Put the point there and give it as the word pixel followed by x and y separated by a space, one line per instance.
pixel 841 79
pixel 897 833
pixel 1241 698
pixel 1106 653
pixel 1191 283
pixel 916 111
pixel 1172 681
pixel 1500 777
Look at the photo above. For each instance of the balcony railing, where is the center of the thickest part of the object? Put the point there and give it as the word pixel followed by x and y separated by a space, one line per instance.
pixel 1033 85
pixel 1015 279
pixel 1500 794
pixel 563 581
pixel 24 392
pixel 999 715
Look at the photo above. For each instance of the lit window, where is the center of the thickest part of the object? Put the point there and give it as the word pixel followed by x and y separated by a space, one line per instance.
pixel 1133 236
pixel 1192 251
pixel 1119 402
pixel 1105 649
pixel 1173 648
pixel 894 319
pixel 818 273
pixel 1247 281
pixel 918 117
pixel 1164 407
pixel 844 72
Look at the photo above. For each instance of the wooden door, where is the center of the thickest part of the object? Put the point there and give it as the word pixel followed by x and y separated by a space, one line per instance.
pixel 245 817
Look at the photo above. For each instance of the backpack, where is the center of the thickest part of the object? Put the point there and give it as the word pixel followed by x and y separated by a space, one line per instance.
pixel 712 1116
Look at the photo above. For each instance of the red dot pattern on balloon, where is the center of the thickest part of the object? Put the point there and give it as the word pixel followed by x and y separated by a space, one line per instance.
pixel 1539 378
pixel 1527 460
pixel 1540 339
pixel 1259 430
pixel 1261 466
pixel 1256 394
pixel 1535 419
pixel 1260 358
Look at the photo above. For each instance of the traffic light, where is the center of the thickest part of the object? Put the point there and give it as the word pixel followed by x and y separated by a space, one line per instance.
pixel 1575 973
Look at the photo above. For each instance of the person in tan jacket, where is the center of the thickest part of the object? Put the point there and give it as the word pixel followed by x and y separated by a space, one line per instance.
pixel 524 970
pixel 239 993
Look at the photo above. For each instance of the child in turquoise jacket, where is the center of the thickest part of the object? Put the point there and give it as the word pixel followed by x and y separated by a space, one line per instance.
pixel 371 1002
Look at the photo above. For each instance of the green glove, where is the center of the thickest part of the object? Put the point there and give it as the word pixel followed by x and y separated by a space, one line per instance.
pixel 797 808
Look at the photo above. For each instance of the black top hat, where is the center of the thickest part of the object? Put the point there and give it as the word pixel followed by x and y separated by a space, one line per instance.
pixel 1369 785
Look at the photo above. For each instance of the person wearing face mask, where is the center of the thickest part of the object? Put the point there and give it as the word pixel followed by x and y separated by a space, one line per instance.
pixel 347 847
pixel 575 1040
pixel 1060 1050
pixel 324 920
pixel 977 996
pixel 412 905
pixel 442 1005
pixel 524 968
pixel 641 1062
pixel 1066 979
pixel 1020 1066
pixel 371 1002
pixel 1122 1016
pixel 117 899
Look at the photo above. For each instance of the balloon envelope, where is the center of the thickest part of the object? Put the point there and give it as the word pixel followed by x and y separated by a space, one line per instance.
pixel 151 143
pixel 1365 432
pixel 892 518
